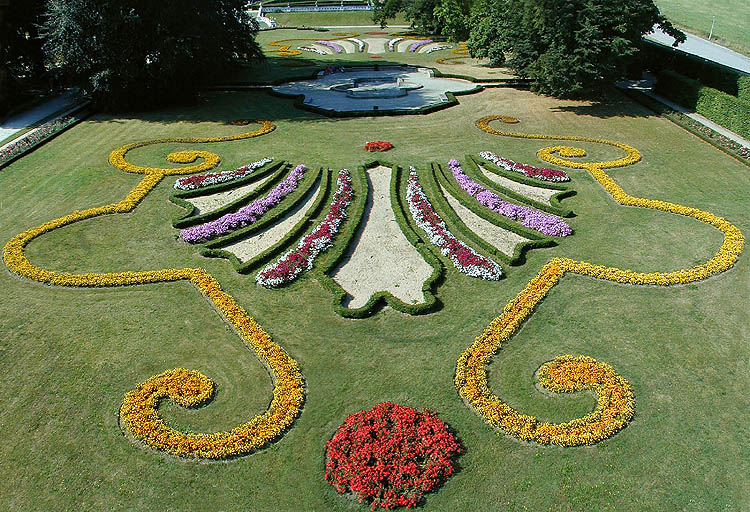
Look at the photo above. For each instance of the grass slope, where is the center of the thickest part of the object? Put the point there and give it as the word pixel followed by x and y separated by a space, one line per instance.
pixel 68 356
pixel 732 26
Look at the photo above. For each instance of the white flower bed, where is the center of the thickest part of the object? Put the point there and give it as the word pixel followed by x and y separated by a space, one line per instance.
pixel 438 48
pixel 311 49
pixel 360 44
pixel 393 42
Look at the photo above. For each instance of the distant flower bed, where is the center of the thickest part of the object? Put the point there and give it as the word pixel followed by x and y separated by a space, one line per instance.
pixel 439 48
pixel 311 49
pixel 464 258
pixel 291 265
pixel 360 44
pixel 330 44
pixel 544 223
pixel 539 173
pixel 246 215
pixel 417 45
pixel 391 455
pixel 204 180
pixel 35 137
pixel 378 145
pixel 393 42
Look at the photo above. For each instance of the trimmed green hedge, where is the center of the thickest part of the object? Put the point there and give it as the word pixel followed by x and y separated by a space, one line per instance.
pixel 343 247
pixel 658 57
pixel 728 111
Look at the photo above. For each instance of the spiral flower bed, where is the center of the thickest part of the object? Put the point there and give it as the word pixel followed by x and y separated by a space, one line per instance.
pixel 544 223
pixel 246 215
pixel 391 455
pixel 464 258
pixel 378 145
pixel 539 173
pixel 287 268
pixel 204 180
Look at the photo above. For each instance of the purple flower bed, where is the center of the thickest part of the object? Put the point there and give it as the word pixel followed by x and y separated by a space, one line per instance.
pixel 544 223
pixel 246 215
pixel 464 258
pixel 416 46
pixel 298 260
pixel 539 173
pixel 330 44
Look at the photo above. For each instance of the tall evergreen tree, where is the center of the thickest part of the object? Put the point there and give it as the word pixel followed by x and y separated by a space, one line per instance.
pixel 128 53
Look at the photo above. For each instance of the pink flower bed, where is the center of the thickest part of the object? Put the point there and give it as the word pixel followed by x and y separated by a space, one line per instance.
pixel 539 173
pixel 298 260
pixel 204 180
pixel 464 258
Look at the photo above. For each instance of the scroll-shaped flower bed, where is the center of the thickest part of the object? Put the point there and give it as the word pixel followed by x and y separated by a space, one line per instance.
pixel 204 180
pixel 246 215
pixel 544 223
pixel 539 173
pixel 464 258
pixel 300 259
pixel 391 455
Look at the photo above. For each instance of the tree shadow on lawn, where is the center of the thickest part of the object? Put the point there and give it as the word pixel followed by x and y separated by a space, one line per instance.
pixel 614 104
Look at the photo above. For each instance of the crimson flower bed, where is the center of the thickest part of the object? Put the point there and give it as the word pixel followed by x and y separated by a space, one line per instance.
pixel 378 145
pixel 391 455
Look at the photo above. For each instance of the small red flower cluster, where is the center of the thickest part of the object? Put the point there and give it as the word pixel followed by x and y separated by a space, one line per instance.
pixel 391 455
pixel 378 145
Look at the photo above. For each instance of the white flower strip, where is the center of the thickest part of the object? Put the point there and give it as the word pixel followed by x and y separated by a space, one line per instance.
pixel 393 42
pixel 360 44
pixel 311 49
pixel 195 181
pixel 441 237
pixel 438 48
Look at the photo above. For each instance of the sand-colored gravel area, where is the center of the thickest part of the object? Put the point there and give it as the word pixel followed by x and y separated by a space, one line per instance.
pixel 403 46
pixel 381 259
pixel 211 202
pixel 327 49
pixel 348 46
pixel 376 44
pixel 536 193
pixel 251 246
pixel 496 236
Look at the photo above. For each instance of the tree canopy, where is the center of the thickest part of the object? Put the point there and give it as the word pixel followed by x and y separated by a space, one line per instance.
pixel 574 48
pixel 127 53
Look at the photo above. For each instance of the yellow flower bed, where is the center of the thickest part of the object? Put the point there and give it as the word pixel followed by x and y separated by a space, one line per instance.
pixel 615 406
pixel 139 410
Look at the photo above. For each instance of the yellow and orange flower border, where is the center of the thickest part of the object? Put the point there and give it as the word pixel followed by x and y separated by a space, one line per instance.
pixel 616 403
pixel 139 412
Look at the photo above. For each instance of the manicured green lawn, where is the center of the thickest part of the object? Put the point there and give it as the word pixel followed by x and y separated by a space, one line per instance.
pixel 67 356
pixel 732 26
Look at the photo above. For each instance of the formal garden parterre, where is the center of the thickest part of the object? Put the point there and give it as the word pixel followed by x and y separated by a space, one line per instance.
pixel 441 351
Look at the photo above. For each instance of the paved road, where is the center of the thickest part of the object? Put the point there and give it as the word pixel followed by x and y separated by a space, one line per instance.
pixel 36 114
pixel 703 48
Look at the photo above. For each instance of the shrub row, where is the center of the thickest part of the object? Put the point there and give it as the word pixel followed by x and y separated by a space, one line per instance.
pixel 728 111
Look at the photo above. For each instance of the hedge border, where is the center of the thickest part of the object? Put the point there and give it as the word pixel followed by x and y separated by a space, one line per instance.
pixel 189 218
pixel 679 119
pixel 213 249
pixel 379 299
pixel 554 207
pixel 294 198
pixel 535 239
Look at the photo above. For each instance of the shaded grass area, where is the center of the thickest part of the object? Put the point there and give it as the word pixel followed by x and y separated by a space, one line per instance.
pixel 321 19
pixel 69 355
pixel 732 28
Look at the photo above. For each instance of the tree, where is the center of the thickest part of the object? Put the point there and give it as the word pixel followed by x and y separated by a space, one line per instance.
pixel 21 57
pixel 570 49
pixel 132 53
pixel 441 17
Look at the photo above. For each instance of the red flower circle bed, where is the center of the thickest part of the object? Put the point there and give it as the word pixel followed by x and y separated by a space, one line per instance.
pixel 378 145
pixel 390 455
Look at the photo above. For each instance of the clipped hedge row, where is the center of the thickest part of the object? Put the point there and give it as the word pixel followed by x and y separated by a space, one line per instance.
pixel 342 247
pixel 441 178
pixel 555 207
pixel 728 111
pixel 712 74
pixel 189 217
